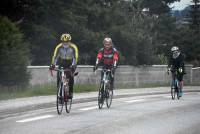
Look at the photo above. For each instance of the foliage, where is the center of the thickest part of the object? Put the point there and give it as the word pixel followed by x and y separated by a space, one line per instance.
pixel 142 37
pixel 14 54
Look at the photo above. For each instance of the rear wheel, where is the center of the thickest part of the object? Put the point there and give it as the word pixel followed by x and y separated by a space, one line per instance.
pixel 109 95
pixel 173 92
pixel 178 93
pixel 101 96
pixel 60 99
pixel 68 102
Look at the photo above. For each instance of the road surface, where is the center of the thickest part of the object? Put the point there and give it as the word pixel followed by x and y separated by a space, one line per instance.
pixel 143 114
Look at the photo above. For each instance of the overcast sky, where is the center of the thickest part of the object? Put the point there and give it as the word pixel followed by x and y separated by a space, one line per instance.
pixel 180 5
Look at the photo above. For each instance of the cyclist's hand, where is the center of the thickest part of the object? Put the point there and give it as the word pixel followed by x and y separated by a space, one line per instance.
pixel 73 67
pixel 51 67
pixel 168 70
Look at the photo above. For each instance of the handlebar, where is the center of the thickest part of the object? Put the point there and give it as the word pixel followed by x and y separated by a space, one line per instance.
pixel 61 69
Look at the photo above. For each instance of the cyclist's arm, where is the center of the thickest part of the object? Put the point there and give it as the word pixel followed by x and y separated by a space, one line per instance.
pixel 182 64
pixel 115 58
pixel 56 54
pixel 75 57
pixel 99 57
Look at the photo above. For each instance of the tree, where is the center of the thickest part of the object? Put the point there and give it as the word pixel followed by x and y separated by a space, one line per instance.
pixel 14 55
pixel 195 16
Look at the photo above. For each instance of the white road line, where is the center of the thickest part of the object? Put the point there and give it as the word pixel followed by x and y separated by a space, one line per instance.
pixel 88 108
pixel 131 101
pixel 35 118
pixel 167 96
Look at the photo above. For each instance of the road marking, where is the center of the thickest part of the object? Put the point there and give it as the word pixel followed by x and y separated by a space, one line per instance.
pixel 88 108
pixel 35 118
pixel 131 101
pixel 167 96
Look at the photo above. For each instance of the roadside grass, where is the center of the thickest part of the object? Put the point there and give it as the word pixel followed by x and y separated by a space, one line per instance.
pixel 50 89
pixel 41 90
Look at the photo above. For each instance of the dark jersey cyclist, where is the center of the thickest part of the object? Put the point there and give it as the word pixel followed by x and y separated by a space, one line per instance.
pixel 176 61
pixel 108 56
pixel 66 56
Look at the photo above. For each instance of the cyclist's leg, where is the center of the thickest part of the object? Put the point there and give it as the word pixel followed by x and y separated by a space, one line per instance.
pixel 180 79
pixel 71 85
pixel 112 81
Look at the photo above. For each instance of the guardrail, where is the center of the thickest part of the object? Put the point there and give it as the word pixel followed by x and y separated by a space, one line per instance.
pixel 196 75
pixel 124 76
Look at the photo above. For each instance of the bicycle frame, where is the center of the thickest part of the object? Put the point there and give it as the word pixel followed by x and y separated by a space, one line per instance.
pixel 64 77
pixel 106 73
pixel 104 90
pixel 63 89
pixel 175 81
pixel 175 88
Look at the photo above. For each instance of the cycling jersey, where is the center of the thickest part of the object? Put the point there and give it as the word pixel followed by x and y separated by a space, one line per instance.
pixel 177 62
pixel 66 52
pixel 108 56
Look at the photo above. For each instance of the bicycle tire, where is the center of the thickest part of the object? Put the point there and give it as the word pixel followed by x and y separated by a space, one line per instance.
pixel 68 102
pixel 178 90
pixel 109 95
pixel 101 96
pixel 173 90
pixel 59 99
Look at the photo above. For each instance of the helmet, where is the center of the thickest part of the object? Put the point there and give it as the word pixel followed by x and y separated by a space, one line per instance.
pixel 174 48
pixel 107 40
pixel 65 37
pixel 175 52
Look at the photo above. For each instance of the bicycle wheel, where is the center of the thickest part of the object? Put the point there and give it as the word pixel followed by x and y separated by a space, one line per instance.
pixel 173 92
pixel 101 96
pixel 177 93
pixel 60 99
pixel 68 102
pixel 109 95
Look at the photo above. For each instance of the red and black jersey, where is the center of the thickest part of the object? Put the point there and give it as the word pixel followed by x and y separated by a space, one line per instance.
pixel 108 56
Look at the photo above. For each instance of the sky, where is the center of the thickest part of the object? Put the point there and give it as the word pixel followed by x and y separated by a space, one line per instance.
pixel 180 5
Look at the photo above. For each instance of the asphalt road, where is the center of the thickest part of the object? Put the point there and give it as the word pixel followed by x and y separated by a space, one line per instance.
pixel 149 114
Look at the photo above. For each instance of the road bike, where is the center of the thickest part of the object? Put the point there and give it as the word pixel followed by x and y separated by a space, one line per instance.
pixel 105 91
pixel 63 97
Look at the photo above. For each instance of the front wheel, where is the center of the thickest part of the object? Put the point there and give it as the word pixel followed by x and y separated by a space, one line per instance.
pixel 178 93
pixel 101 96
pixel 173 92
pixel 109 95
pixel 60 99
pixel 68 102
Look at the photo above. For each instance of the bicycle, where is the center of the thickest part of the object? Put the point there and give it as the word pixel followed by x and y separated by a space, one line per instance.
pixel 63 90
pixel 104 91
pixel 175 88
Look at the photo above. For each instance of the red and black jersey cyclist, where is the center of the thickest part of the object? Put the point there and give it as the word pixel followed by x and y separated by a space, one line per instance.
pixel 108 56
pixel 176 61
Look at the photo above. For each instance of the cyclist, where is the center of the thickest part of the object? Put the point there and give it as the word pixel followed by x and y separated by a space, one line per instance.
pixel 66 56
pixel 176 61
pixel 108 56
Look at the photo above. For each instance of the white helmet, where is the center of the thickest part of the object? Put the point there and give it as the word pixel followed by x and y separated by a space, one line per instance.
pixel 174 48
pixel 175 52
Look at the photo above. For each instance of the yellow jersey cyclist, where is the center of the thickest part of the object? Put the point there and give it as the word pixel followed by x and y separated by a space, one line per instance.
pixel 66 56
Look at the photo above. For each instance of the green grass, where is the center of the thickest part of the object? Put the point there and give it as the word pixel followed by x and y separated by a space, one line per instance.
pixel 28 92
pixel 41 91
pixel 51 90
